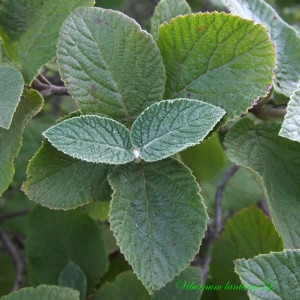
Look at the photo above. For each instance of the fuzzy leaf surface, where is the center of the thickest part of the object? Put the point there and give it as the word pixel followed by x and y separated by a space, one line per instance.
pixel 45 292
pixel 10 139
pixel 276 162
pixel 169 126
pixel 217 58
pixel 165 11
pixel 262 271
pixel 158 218
pixel 291 124
pixel 111 66
pixel 30 30
pixel 284 37
pixel 93 139
pixel 11 87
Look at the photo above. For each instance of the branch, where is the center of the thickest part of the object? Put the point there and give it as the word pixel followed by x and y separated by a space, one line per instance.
pixel 15 257
pixel 268 111
pixel 14 214
pixel 46 88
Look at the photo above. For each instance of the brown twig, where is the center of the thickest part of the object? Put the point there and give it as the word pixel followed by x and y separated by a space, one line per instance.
pixel 14 214
pixel 46 88
pixel 15 257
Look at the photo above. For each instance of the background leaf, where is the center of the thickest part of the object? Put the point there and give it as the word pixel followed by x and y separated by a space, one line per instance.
pixel 51 171
pixel 10 140
pixel 111 67
pixel 45 292
pixel 217 58
pixel 262 271
pixel 246 234
pixel 73 277
pixel 276 161
pixel 11 87
pixel 284 37
pixel 165 11
pixel 158 218
pixel 30 30
pixel 170 126
pixel 92 139
pixel 291 124
pixel 55 238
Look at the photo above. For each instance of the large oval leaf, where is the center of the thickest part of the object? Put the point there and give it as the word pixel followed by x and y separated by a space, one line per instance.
pixel 109 64
pixel 217 58
pixel 158 218
pixel 170 126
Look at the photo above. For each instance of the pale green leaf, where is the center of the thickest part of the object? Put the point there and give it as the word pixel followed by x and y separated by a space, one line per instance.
pixel 59 181
pixel 284 37
pixel 246 234
pixel 276 161
pixel 30 30
pixel 73 277
pixel 10 140
pixel 165 11
pixel 126 285
pixel 271 276
pixel 291 124
pixel 93 139
pixel 217 58
pixel 45 292
pixel 186 285
pixel 111 67
pixel 158 218
pixel 169 126
pixel 55 238
pixel 11 87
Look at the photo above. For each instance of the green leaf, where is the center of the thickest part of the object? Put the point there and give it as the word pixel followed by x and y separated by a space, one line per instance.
pixel 10 140
pixel 165 11
pixel 246 234
pixel 58 181
pixel 291 124
pixel 55 238
pixel 205 159
pixel 217 58
pixel 158 218
pixel 170 126
pixel 111 67
pixel 45 292
pixel 11 87
pixel 276 161
pixel 126 285
pixel 7 274
pixel 284 37
pixel 30 31
pixel 271 276
pixel 93 139
pixel 186 285
pixel 73 277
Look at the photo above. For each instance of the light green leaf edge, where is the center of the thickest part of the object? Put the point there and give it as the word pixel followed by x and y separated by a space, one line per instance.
pixel 10 140
pixel 169 126
pixel 132 213
pixel 273 276
pixel 165 11
pixel 58 181
pixel 291 124
pixel 284 37
pixel 93 139
pixel 111 66
pixel 275 163
pixel 30 30
pixel 205 61
pixel 11 87
pixel 45 292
